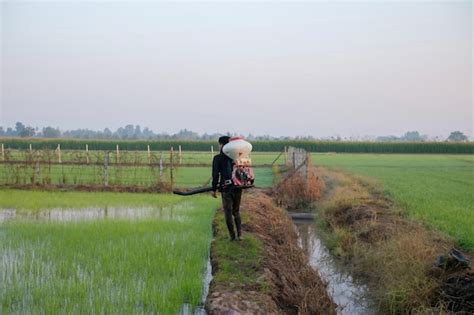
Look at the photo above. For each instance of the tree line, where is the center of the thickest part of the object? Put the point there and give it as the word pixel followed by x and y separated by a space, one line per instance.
pixel 136 132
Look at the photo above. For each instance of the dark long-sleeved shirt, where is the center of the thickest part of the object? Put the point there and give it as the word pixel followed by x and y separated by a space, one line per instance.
pixel 221 169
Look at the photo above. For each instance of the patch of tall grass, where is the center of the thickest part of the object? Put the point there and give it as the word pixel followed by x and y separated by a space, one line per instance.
pixel 392 254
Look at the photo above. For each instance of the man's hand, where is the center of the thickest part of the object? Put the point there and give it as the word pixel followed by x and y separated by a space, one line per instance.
pixel 214 194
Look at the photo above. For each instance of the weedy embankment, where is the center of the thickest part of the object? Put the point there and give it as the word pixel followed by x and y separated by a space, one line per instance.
pixel 298 190
pixel 267 272
pixel 393 254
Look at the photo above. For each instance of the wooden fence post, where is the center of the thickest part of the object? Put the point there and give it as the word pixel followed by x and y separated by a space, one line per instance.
pixel 307 161
pixel 212 152
pixel 179 154
pixel 3 153
pixel 106 168
pixel 161 166
pixel 31 148
pixel 149 154
pixel 171 167
pixel 59 153
pixel 87 153
pixel 118 155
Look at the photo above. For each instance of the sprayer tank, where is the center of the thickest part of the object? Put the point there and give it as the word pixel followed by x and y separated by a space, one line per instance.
pixel 237 149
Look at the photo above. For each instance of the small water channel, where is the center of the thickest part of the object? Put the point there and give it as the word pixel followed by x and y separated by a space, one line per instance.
pixel 345 292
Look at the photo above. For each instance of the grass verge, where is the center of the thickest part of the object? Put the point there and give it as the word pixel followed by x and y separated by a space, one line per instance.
pixel 395 254
pixel 435 189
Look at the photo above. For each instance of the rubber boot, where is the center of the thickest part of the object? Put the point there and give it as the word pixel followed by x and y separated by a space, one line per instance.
pixel 238 225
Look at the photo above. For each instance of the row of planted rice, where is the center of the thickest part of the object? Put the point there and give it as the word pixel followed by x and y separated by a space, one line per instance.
pixel 111 253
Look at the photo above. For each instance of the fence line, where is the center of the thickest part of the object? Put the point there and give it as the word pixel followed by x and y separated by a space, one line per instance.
pixel 298 158
pixel 101 169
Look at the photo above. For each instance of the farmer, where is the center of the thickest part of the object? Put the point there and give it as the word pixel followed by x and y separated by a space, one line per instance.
pixel 222 168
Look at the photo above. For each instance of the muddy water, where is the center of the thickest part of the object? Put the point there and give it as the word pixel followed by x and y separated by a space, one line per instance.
pixel 349 296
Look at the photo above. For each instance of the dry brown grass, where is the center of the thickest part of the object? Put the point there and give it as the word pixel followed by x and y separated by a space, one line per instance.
pixel 298 190
pixel 277 279
pixel 295 286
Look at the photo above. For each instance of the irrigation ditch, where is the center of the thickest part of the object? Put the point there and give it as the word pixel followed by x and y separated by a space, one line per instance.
pixel 286 274
pixel 325 242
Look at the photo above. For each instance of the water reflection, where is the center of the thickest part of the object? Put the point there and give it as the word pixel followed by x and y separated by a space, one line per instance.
pixel 7 214
pixel 186 309
pixel 349 296
pixel 91 214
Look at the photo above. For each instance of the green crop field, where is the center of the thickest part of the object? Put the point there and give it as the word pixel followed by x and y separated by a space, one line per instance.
pixel 262 146
pixel 107 253
pixel 437 189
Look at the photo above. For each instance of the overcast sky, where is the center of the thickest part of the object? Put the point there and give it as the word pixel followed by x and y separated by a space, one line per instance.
pixel 320 69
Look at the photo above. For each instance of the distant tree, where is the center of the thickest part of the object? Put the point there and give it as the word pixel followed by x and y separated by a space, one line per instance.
pixel 19 127
pixel 128 132
pixel 387 138
pixel 457 136
pixel 27 132
pixel 50 132
pixel 138 132
pixel 2 132
pixel 412 136
pixel 147 133
pixel 185 134
pixel 107 133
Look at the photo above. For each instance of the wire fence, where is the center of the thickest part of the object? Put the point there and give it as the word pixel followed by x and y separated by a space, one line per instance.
pixel 156 170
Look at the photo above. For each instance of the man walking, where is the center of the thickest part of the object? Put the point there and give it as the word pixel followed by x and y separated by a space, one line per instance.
pixel 231 195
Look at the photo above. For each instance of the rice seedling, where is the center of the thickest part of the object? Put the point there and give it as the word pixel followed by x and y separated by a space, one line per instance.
pixel 435 189
pixel 142 265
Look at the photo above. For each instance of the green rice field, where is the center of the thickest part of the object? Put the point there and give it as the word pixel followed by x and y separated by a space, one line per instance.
pixel 107 253
pixel 437 189
pixel 82 252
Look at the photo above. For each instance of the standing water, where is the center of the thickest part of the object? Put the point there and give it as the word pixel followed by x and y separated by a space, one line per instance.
pixel 10 258
pixel 186 309
pixel 349 296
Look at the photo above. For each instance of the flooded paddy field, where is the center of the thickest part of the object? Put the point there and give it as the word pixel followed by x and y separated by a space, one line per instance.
pixel 145 255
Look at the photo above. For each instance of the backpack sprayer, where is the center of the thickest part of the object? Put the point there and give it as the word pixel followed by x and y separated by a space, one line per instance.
pixel 242 174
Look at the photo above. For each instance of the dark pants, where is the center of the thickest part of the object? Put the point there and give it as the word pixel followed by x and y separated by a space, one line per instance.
pixel 231 203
